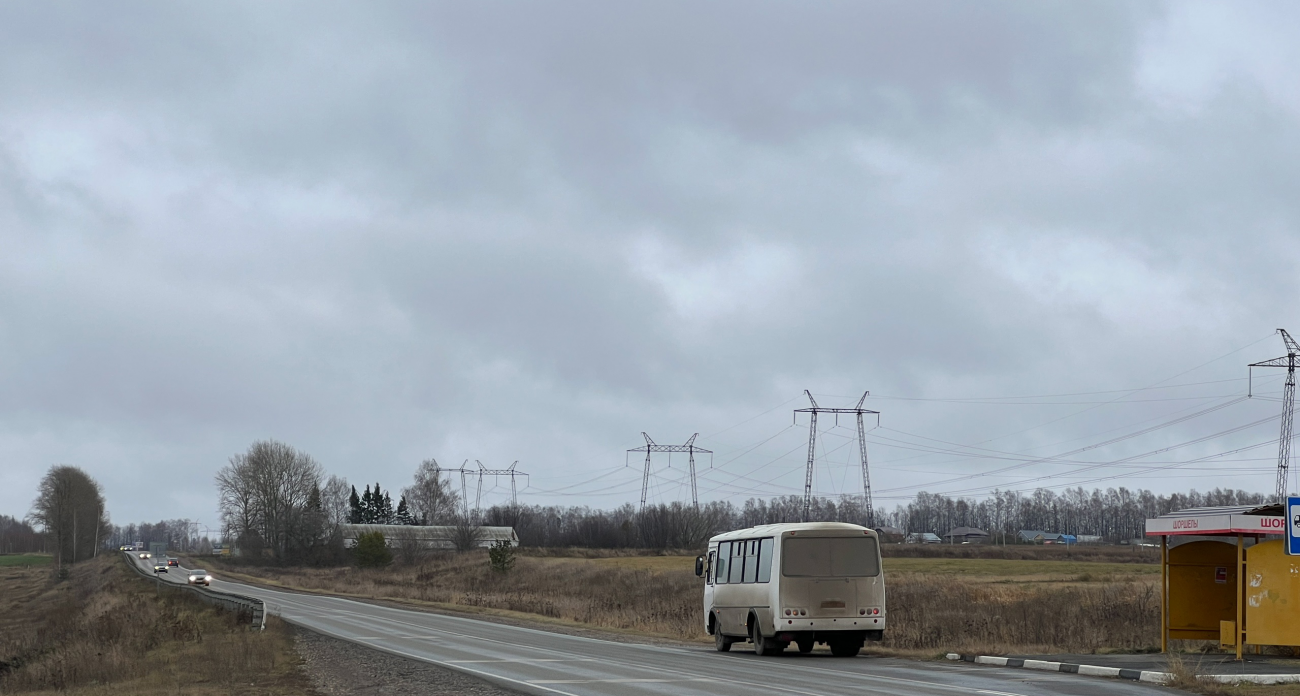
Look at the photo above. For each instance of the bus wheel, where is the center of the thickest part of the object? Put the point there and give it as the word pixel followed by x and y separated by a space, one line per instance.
pixel 806 646
pixel 721 643
pixel 761 646
pixel 845 648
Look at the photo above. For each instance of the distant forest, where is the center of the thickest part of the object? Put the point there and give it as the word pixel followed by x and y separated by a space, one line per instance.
pixel 1114 514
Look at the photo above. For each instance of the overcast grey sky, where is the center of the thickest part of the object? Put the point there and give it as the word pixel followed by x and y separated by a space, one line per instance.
pixel 382 232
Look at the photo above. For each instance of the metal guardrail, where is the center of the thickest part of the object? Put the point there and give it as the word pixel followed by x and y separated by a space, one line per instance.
pixel 252 607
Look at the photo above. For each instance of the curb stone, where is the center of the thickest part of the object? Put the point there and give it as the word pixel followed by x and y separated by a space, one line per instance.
pixel 1134 674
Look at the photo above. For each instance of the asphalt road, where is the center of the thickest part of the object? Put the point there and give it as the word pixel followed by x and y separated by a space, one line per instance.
pixel 537 662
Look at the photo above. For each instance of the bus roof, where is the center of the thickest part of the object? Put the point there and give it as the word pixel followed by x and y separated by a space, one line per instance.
pixel 775 529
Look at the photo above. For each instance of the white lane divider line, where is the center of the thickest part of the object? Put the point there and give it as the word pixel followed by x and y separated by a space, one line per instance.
pixel 521 661
pixel 617 681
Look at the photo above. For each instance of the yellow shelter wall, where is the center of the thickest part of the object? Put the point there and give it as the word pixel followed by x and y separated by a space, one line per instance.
pixel 1272 595
pixel 1202 589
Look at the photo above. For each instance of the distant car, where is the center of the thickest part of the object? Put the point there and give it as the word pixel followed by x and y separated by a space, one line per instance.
pixel 160 566
pixel 199 576
pixel 146 554
pixel 173 563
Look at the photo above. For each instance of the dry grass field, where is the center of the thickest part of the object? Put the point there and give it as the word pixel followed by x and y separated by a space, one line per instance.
pixel 104 630
pixel 936 603
pixel 11 560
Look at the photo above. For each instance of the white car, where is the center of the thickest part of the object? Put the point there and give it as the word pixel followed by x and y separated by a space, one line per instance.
pixel 199 576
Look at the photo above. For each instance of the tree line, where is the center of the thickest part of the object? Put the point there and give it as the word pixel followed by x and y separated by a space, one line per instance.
pixel 1115 514
pixel 276 502
pixel 17 536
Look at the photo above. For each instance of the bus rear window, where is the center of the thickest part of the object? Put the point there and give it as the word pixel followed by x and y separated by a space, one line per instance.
pixel 830 557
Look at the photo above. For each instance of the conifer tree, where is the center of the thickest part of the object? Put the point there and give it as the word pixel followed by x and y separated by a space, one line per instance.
pixel 386 513
pixel 354 507
pixel 367 507
pixel 404 513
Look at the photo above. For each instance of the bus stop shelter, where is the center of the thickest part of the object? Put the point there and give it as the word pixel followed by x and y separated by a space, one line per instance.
pixel 1225 574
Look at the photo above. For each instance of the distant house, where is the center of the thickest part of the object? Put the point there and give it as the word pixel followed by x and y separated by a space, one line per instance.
pixel 890 535
pixel 966 535
pixel 1030 536
pixel 922 538
pixel 1089 539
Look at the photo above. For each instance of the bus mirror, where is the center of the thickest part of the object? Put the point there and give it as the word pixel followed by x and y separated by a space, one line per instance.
pixel 699 566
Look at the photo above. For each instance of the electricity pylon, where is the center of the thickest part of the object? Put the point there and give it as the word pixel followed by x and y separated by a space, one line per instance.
pixel 689 448
pixel 862 447
pixel 1288 409
pixel 482 471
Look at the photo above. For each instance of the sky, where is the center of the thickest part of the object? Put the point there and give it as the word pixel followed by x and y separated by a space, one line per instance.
pixel 502 232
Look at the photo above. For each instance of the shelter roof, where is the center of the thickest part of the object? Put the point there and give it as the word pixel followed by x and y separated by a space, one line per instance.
pixel 1266 509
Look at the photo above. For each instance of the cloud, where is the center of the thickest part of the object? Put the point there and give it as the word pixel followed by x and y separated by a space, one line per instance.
pixel 532 232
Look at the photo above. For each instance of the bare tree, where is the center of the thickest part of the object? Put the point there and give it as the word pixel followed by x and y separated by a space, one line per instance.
pixel 430 497
pixel 465 534
pixel 271 493
pixel 410 548
pixel 334 501
pixel 70 507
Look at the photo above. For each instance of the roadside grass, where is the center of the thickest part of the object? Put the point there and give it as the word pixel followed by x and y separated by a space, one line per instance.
pixel 22 560
pixel 1027 552
pixel 987 569
pixel 942 604
pixel 105 630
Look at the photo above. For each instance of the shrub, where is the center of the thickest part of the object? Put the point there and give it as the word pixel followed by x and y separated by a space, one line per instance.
pixel 501 556
pixel 372 551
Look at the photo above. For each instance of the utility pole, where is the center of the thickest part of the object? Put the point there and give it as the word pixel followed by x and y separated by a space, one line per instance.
pixel 862 447
pixel 689 448
pixel 1288 408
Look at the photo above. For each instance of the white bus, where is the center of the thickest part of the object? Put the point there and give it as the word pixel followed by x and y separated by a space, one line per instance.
pixel 809 583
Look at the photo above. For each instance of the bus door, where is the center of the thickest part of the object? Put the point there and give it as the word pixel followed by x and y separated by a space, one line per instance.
pixel 710 563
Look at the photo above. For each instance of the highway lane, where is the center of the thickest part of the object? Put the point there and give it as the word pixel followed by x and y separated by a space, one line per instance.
pixel 538 662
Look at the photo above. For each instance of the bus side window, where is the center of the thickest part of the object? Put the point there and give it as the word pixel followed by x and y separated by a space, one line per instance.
pixel 765 560
pixel 751 561
pixel 708 568
pixel 734 573
pixel 724 558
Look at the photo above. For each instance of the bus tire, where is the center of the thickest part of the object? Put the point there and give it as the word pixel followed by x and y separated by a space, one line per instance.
pixel 761 645
pixel 806 646
pixel 843 647
pixel 721 643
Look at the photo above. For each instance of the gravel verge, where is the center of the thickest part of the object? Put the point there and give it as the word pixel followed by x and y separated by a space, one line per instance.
pixel 339 667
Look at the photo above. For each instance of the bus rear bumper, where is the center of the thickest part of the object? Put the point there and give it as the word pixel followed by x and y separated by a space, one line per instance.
pixel 827 636
pixel 865 623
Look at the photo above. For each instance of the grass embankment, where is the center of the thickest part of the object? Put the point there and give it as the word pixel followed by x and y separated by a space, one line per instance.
pixel 935 604
pixel 25 560
pixel 105 630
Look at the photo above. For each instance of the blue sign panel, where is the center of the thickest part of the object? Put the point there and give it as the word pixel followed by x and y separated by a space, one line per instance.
pixel 1293 525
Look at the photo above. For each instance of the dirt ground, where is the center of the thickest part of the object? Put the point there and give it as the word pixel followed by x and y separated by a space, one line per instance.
pixel 337 667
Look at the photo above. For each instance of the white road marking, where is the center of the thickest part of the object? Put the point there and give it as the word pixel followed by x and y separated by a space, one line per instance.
pixel 616 681
pixel 525 660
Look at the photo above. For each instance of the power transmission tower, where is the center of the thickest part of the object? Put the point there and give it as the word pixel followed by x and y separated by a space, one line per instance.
pixel 480 472
pixel 509 471
pixel 689 448
pixel 1288 409
pixel 862 447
